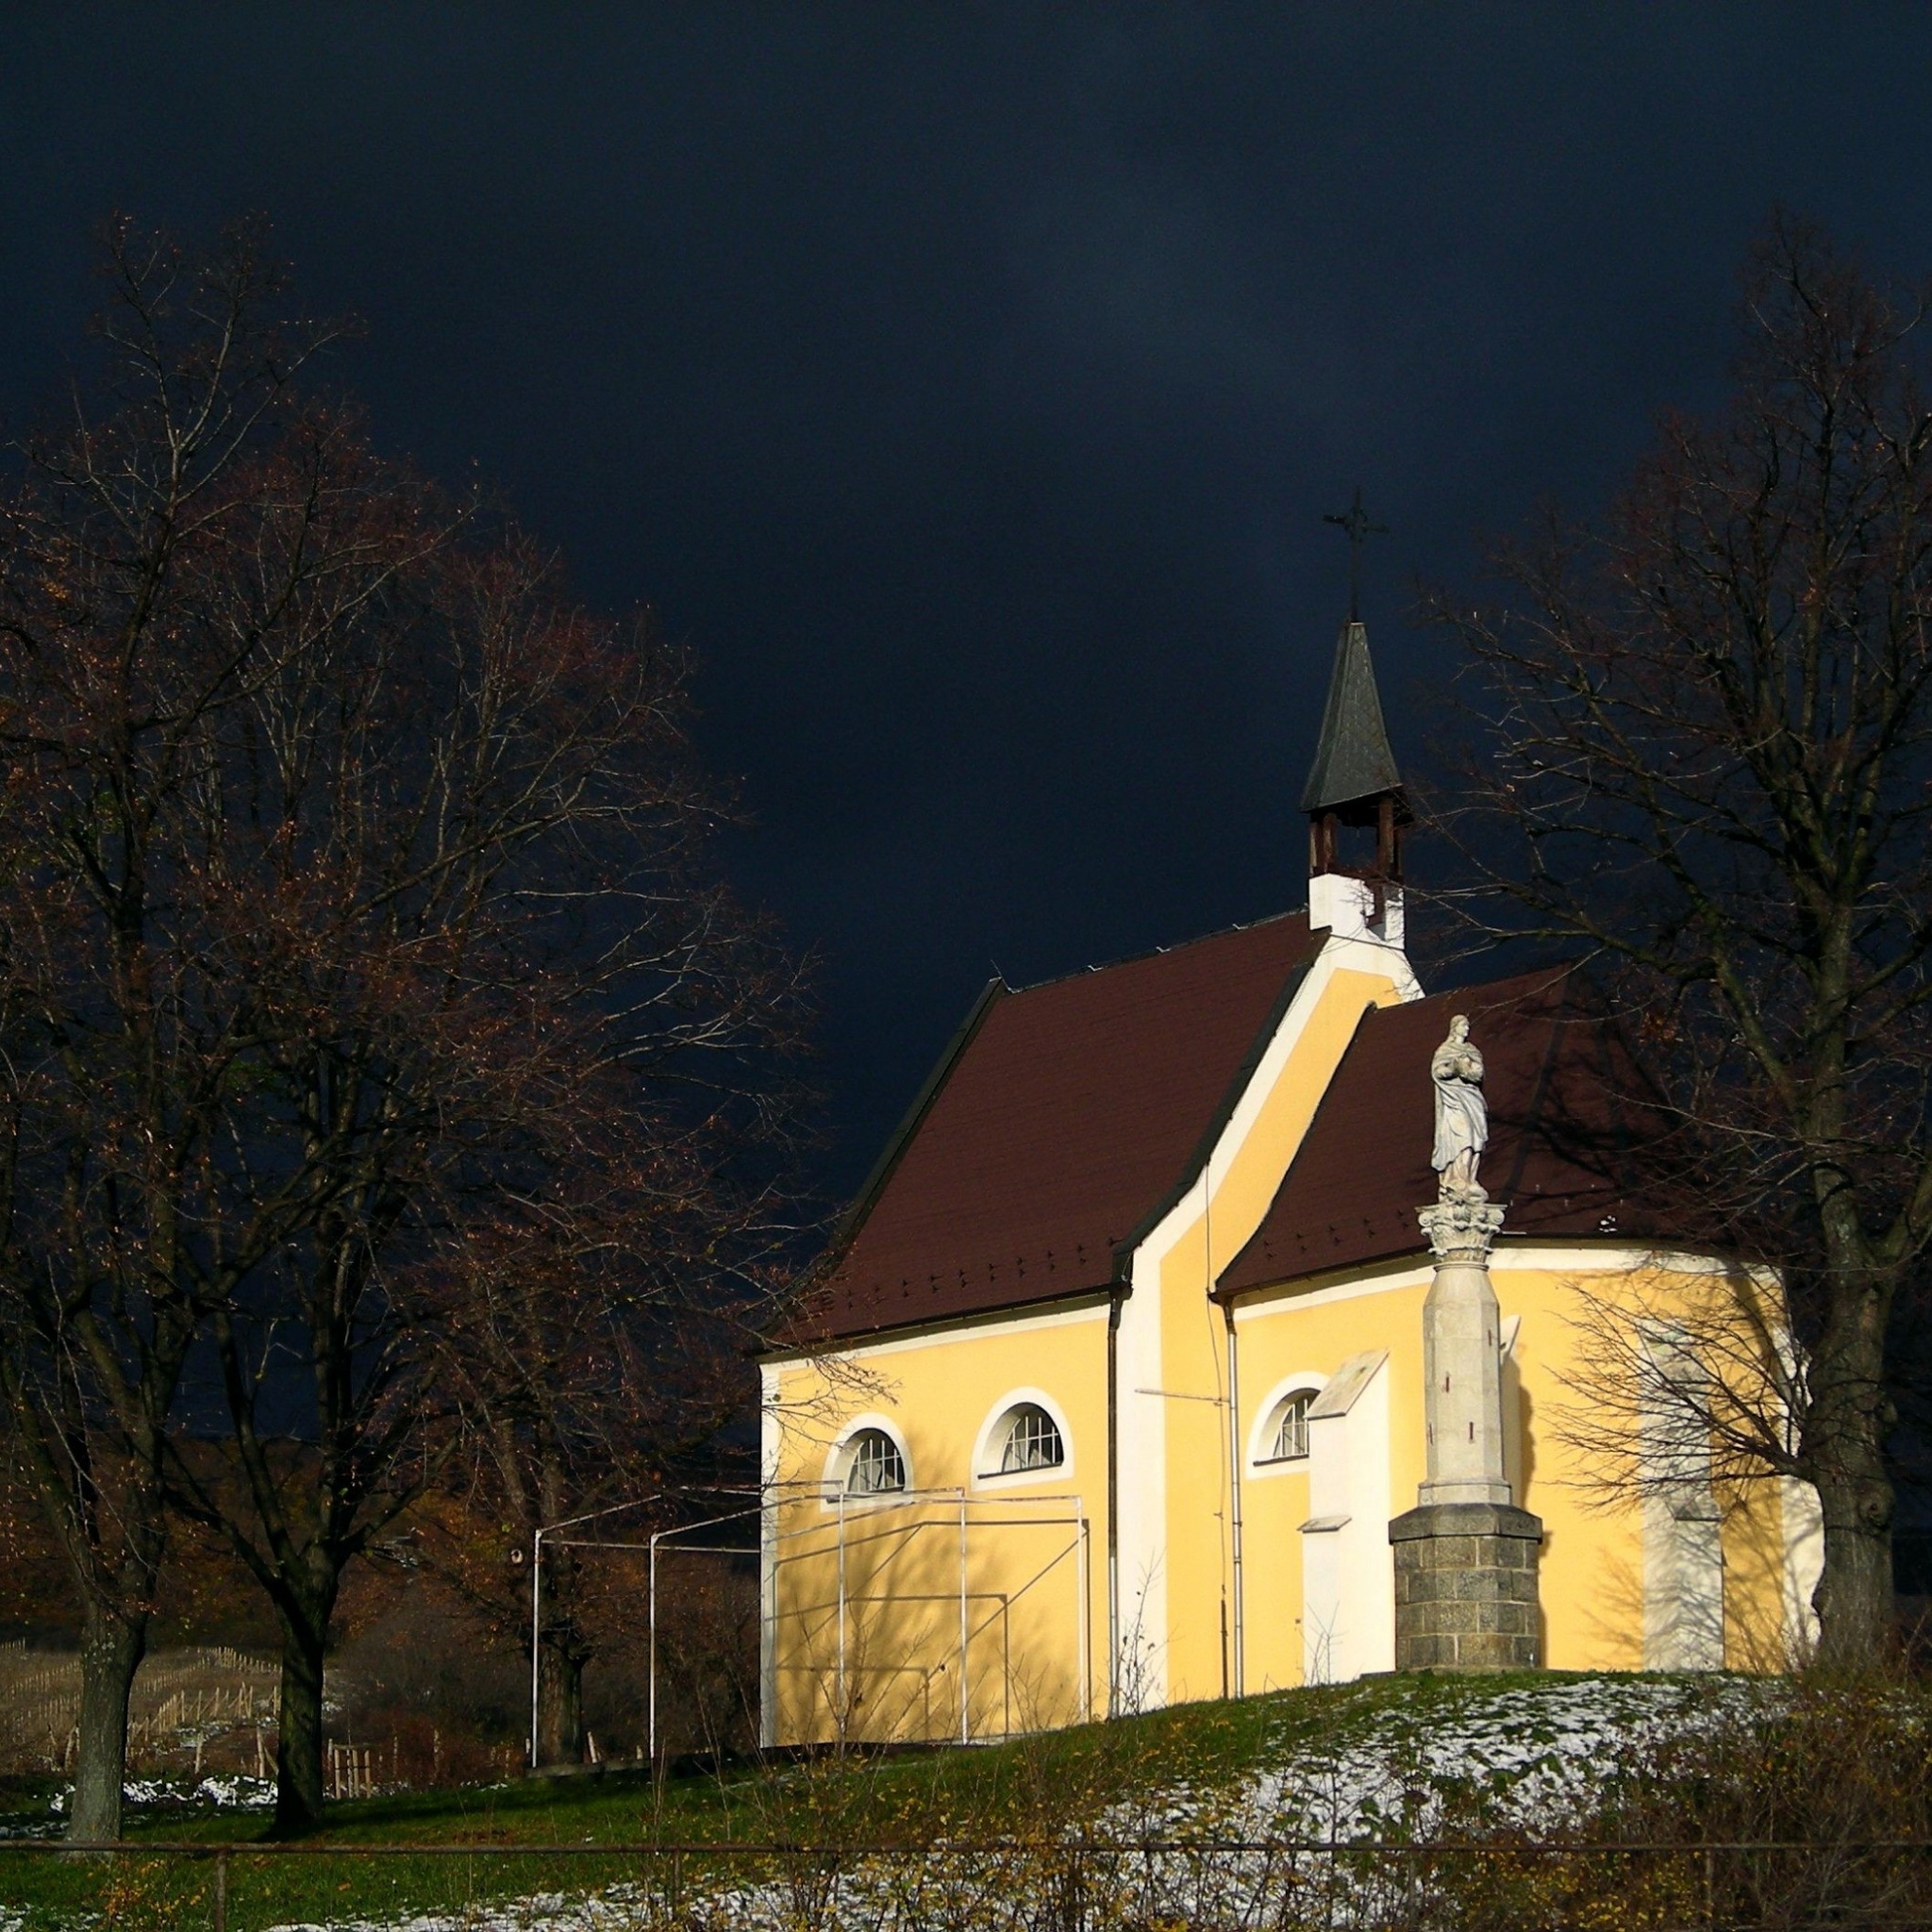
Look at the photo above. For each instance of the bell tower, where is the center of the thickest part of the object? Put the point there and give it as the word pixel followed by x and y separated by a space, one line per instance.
pixel 1357 808
pixel 1355 884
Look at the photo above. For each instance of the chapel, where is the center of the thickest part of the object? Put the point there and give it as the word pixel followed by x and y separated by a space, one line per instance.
pixel 1218 1320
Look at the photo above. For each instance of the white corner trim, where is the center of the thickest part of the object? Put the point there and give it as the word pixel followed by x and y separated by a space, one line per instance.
pixel 771 1423
pixel 771 1439
pixel 1142 1487
pixel 986 1448
pixel 1259 1467
pixel 1802 1522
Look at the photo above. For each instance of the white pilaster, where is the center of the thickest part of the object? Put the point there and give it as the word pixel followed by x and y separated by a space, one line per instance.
pixel 1348 1617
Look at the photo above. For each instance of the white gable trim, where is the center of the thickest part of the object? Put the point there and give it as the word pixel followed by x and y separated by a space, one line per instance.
pixel 1356 954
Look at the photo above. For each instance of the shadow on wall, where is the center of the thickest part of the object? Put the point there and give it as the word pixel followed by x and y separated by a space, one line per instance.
pixel 885 1639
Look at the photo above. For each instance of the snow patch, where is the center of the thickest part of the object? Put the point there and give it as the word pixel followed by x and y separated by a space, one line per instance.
pixel 1546 1752
pixel 228 1793
pixel 612 1912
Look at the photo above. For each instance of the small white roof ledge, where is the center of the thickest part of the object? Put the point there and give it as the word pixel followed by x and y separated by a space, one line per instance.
pixel 1346 1384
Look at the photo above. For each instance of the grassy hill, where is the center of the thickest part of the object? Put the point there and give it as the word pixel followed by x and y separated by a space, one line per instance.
pixel 1421 1761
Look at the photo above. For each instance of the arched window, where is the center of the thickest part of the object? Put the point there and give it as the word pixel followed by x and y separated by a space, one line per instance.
pixel 1029 1438
pixel 1287 1439
pixel 874 1466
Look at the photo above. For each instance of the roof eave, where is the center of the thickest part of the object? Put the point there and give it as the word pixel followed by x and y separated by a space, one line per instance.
pixel 1508 1241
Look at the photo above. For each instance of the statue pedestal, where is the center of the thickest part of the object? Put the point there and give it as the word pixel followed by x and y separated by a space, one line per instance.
pixel 1466 1588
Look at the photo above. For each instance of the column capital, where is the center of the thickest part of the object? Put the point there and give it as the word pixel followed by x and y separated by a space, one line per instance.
pixel 1461 1224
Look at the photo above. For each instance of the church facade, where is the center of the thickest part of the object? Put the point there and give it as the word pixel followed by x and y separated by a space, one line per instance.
pixel 1217 1321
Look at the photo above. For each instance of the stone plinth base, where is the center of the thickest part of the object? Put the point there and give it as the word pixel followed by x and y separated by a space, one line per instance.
pixel 1466 1588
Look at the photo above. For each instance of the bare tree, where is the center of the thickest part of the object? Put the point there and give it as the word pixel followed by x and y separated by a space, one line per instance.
pixel 592 1363
pixel 1704 761
pixel 509 987
pixel 371 872
pixel 120 1050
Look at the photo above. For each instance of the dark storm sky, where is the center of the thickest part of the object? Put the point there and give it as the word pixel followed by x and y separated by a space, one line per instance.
pixel 967 382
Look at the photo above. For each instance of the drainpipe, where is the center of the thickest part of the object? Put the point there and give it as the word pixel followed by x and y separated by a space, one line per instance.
pixel 1234 1491
pixel 1113 1500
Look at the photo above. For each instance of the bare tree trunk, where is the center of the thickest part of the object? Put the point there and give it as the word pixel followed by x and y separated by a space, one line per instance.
pixel 299 1758
pixel 1844 1442
pixel 114 1558
pixel 111 1649
pixel 1854 1597
pixel 560 1660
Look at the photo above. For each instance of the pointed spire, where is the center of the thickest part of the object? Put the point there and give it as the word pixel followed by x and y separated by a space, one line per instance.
pixel 1353 764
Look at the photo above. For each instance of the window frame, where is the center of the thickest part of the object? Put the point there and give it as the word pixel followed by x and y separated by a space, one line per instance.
pixel 1265 1429
pixel 875 1448
pixel 833 1494
pixel 1024 1415
pixel 989 1447
pixel 1297 1403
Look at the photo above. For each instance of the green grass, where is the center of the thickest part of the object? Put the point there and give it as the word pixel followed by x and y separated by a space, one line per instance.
pixel 1030 1787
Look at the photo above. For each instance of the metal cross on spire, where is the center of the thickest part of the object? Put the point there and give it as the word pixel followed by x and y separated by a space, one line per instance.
pixel 1354 520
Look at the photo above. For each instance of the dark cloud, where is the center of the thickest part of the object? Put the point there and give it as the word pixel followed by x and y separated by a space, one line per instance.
pixel 967 383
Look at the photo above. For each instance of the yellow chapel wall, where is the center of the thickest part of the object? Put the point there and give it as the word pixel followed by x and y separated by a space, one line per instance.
pixel 1591 1574
pixel 1029 1569
pixel 1305 1338
pixel 1593 1554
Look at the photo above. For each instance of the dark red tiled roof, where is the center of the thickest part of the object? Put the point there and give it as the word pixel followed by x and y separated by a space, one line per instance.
pixel 1559 1135
pixel 1069 1115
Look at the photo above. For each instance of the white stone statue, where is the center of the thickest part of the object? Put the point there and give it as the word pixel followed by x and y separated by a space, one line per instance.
pixel 1462 1366
pixel 1462 1115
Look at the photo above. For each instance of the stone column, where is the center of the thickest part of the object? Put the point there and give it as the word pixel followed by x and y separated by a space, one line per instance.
pixel 1462 1362
pixel 1465 1556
